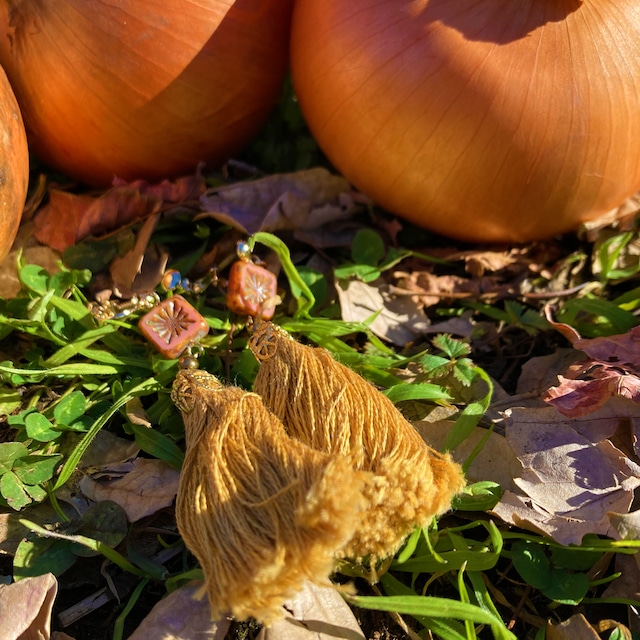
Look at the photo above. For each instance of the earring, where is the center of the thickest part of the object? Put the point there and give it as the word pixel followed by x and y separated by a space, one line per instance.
pixel 332 409
pixel 261 512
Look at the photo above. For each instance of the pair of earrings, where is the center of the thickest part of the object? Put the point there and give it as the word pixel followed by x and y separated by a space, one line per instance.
pixel 314 465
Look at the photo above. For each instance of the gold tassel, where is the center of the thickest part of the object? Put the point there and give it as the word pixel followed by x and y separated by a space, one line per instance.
pixel 331 408
pixel 261 512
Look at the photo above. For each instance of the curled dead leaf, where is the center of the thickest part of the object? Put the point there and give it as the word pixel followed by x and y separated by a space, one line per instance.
pixel 25 607
pixel 182 615
pixel 301 200
pixel 575 628
pixel 68 218
pixel 315 613
pixel 570 481
pixel 141 487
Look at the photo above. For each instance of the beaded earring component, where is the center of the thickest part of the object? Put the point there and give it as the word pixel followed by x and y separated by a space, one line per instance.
pixel 172 326
pixel 332 409
pixel 252 289
pixel 261 512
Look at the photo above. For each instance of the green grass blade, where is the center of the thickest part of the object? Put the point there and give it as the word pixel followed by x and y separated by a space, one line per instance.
pixel 147 386
pixel 435 608
pixel 306 299
pixel 94 545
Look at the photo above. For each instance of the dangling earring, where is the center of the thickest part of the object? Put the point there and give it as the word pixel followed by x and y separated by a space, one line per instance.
pixel 332 409
pixel 261 512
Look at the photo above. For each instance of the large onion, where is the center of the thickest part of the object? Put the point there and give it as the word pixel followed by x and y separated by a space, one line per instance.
pixel 14 166
pixel 484 120
pixel 142 88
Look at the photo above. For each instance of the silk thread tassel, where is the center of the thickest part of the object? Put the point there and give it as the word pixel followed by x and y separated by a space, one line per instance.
pixel 329 407
pixel 261 512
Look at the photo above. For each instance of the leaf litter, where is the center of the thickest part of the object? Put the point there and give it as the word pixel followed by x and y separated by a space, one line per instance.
pixel 565 446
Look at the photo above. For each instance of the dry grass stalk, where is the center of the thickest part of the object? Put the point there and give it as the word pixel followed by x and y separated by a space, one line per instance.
pixel 332 409
pixel 261 512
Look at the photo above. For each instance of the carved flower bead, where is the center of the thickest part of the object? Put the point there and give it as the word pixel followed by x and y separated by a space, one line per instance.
pixel 251 289
pixel 172 326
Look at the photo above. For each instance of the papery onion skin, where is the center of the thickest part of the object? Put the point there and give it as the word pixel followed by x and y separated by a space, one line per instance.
pixel 482 120
pixel 143 88
pixel 14 166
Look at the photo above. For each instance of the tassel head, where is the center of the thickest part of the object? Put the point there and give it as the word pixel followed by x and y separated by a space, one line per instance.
pixel 258 509
pixel 332 409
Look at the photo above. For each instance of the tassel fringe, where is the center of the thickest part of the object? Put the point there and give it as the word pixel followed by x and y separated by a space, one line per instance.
pixel 261 512
pixel 330 408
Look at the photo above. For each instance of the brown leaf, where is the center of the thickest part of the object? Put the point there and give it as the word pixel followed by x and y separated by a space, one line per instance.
pixel 569 483
pixel 622 349
pixel 496 460
pixel 576 398
pixel 183 615
pixel 400 320
pixel 106 449
pixel 301 201
pixel 540 373
pixel 141 487
pixel 575 628
pixel 12 532
pixel 25 608
pixel 181 189
pixel 316 613
pixel 140 269
pixel 613 369
pixel 68 218
pixel 622 218
pixel 628 584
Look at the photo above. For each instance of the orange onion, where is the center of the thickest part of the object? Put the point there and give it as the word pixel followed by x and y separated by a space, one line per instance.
pixel 14 166
pixel 483 120
pixel 143 88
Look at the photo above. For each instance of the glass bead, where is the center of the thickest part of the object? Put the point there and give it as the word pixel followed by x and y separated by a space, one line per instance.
pixel 250 287
pixel 171 280
pixel 172 326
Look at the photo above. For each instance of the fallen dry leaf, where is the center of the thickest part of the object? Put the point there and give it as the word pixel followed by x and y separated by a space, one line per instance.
pixel 182 615
pixel 301 200
pixel 400 320
pixel 541 373
pixel 140 487
pixel 25 608
pixel 628 527
pixel 575 628
pixel 612 369
pixel 621 218
pixel 68 218
pixel 576 397
pixel 496 460
pixel 622 349
pixel 316 613
pixel 569 483
pixel 107 448
pixel 181 189
pixel 140 269
pixel 628 584
pixel 462 326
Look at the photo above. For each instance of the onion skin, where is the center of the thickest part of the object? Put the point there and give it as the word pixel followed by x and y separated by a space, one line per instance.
pixel 14 166
pixel 143 88
pixel 482 120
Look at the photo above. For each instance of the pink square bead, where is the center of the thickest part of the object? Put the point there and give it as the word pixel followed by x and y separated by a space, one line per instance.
pixel 172 326
pixel 250 287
